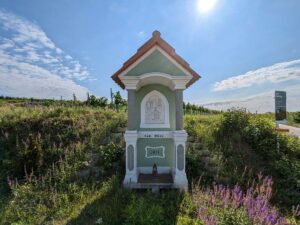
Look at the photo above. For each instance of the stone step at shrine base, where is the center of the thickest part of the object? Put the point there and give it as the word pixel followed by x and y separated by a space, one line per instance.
pixel 154 182
pixel 157 179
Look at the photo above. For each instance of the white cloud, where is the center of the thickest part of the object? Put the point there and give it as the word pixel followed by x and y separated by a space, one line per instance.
pixel 141 33
pixel 31 44
pixel 6 44
pixel 31 65
pixel 21 79
pixel 68 57
pixel 59 51
pixel 276 73
pixel 263 102
pixel 25 30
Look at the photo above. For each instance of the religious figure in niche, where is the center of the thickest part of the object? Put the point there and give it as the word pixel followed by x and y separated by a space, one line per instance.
pixel 155 110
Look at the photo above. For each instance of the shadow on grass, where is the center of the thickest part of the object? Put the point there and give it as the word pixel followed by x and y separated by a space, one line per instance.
pixel 4 198
pixel 121 206
pixel 4 191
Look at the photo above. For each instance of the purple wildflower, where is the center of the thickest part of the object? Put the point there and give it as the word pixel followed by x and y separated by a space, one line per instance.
pixel 255 201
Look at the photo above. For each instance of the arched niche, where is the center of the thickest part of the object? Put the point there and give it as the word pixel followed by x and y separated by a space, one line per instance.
pixel 155 111
pixel 130 157
pixel 180 157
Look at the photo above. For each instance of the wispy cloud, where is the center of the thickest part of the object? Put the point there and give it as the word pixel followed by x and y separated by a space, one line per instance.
pixel 141 34
pixel 261 103
pixel 276 73
pixel 22 79
pixel 32 65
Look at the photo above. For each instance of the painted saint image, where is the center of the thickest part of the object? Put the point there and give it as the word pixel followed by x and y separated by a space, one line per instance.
pixel 154 110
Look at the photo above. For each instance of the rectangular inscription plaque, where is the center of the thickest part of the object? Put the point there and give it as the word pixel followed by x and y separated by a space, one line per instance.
pixel 155 152
pixel 155 134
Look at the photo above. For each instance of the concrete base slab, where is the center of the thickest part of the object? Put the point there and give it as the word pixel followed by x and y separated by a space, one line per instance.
pixel 157 182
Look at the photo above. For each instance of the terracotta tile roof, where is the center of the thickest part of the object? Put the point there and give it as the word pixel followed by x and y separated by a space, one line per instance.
pixel 155 40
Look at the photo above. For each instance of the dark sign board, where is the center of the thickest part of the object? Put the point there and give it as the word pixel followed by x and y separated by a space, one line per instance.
pixel 280 105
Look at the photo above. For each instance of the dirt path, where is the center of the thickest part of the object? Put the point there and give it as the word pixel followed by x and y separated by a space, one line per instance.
pixel 295 131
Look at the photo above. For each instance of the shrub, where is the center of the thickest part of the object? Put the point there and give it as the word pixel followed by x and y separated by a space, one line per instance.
pixel 249 140
pixel 41 149
pixel 112 158
pixel 36 139
pixel 297 117
pixel 224 205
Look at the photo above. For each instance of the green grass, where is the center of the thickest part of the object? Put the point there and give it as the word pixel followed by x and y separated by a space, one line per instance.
pixel 291 119
pixel 120 206
pixel 43 146
pixel 242 145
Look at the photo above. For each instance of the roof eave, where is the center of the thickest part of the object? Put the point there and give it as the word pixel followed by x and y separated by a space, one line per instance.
pixel 155 40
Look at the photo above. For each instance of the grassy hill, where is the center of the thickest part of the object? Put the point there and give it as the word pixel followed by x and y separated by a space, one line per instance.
pixel 63 164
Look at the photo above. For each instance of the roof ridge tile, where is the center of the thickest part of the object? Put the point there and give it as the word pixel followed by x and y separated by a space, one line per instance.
pixel 155 40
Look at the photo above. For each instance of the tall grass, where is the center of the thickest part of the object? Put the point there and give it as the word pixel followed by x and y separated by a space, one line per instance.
pixel 243 145
pixel 42 148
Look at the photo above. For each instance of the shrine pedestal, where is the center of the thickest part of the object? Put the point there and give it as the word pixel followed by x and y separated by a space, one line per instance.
pixel 135 173
pixel 180 179
pixel 131 157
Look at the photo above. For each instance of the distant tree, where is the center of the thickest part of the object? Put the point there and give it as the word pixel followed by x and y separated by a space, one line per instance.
pixel 297 117
pixel 193 108
pixel 74 97
pixel 188 108
pixel 118 100
pixel 97 102
pixel 88 98
pixel 102 102
pixel 93 100
pixel 111 97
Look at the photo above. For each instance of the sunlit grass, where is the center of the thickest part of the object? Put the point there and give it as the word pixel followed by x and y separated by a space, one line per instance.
pixel 50 133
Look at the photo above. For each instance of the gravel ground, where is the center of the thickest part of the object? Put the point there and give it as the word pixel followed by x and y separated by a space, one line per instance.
pixel 295 131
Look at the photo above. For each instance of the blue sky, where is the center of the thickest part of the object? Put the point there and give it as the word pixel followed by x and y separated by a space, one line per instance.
pixel 244 50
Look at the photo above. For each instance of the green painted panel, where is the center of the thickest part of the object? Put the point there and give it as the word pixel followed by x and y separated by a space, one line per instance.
pixel 168 143
pixel 156 62
pixel 169 94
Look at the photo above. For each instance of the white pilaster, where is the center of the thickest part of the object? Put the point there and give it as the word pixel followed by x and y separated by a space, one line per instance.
pixel 180 179
pixel 131 175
